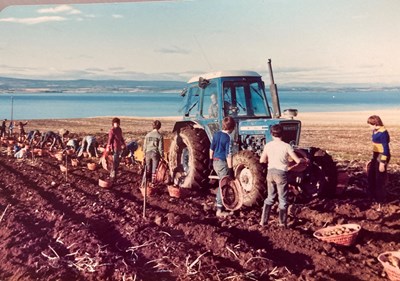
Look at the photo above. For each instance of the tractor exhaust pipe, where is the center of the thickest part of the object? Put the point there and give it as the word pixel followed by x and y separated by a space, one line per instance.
pixel 274 93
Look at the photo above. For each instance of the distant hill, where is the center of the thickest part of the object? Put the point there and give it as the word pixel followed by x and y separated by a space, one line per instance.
pixel 10 85
pixel 30 85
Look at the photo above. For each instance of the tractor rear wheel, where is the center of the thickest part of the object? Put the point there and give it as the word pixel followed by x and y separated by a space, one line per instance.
pixel 328 171
pixel 320 178
pixel 251 175
pixel 188 158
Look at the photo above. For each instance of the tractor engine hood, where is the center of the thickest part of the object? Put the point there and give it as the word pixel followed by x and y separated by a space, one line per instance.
pixel 255 127
pixel 249 130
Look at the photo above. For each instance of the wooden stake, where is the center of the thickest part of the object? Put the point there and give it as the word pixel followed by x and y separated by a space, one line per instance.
pixel 66 167
pixel 144 181
pixel 2 215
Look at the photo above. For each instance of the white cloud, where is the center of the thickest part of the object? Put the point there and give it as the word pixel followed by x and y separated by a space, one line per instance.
pixel 173 50
pixel 64 9
pixel 31 21
pixel 60 9
pixel 115 16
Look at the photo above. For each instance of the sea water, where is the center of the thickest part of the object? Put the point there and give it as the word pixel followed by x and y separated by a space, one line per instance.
pixel 25 106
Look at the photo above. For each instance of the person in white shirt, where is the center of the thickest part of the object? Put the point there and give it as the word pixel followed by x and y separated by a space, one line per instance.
pixel 276 153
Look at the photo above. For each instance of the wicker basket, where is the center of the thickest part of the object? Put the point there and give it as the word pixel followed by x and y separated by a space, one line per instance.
pixel 59 156
pixel 149 189
pixel 63 168
pixel 105 183
pixel 392 271
pixel 69 152
pixel 345 239
pixel 91 166
pixel 174 191
pixel 38 151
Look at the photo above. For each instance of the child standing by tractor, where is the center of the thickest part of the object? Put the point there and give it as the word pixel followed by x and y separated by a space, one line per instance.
pixel 221 158
pixel 276 154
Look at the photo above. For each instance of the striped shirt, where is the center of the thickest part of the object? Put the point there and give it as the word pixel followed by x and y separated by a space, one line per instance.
pixel 380 144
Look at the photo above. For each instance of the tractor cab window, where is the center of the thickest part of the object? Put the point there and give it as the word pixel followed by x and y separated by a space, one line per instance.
pixel 190 104
pixel 210 102
pixel 227 105
pixel 245 98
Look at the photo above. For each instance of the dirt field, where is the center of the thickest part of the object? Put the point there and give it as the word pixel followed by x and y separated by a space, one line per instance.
pixel 57 226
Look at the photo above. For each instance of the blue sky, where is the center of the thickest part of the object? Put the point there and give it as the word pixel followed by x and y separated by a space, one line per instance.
pixel 331 41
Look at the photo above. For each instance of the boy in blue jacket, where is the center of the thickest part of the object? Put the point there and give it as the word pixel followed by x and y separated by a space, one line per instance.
pixel 221 157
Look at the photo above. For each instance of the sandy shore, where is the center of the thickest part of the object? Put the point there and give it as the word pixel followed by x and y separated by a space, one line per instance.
pixel 390 117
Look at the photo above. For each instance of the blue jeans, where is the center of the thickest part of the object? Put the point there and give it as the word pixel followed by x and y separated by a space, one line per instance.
pixel 277 183
pixel 87 146
pixel 152 159
pixel 116 160
pixel 221 168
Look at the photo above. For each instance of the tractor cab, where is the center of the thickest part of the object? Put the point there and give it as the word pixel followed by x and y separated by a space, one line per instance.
pixel 219 94
pixel 240 94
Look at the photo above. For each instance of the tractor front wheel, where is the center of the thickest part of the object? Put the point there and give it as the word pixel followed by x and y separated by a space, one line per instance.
pixel 251 176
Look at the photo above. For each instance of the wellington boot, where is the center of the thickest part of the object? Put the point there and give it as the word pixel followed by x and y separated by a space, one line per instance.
pixel 265 214
pixel 283 218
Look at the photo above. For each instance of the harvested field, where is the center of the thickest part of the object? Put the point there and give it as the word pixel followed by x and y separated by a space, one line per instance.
pixel 63 226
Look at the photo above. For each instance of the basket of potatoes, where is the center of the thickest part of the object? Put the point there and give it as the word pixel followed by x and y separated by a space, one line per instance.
pixel 342 234
pixel 391 263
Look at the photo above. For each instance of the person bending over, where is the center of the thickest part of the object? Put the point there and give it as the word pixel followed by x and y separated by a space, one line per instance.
pixel 55 139
pixel 89 145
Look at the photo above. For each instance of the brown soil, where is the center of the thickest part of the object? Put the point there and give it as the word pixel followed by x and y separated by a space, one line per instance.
pixel 65 227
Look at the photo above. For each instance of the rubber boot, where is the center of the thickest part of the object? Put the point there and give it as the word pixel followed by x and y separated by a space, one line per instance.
pixel 266 209
pixel 283 218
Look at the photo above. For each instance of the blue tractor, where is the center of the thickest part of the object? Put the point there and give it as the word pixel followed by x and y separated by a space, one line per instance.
pixel 240 94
